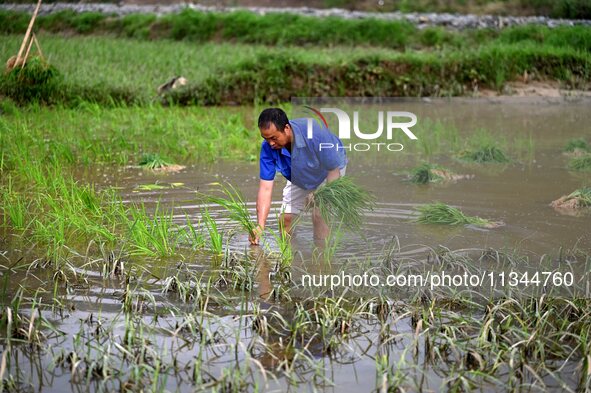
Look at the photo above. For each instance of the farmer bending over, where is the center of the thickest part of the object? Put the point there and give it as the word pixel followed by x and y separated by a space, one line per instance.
pixel 305 162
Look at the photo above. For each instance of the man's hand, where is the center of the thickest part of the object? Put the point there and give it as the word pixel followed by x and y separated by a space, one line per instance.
pixel 254 237
pixel 263 207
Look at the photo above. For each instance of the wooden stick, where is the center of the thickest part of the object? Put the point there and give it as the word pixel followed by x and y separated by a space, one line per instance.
pixel 27 53
pixel 38 47
pixel 28 33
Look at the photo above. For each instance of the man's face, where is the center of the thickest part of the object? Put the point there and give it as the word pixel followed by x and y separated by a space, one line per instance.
pixel 276 138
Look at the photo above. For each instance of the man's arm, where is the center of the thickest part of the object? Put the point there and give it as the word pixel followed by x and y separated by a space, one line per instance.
pixel 263 207
pixel 333 175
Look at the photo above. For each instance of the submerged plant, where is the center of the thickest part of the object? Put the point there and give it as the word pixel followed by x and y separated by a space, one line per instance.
pixel 233 201
pixel 440 213
pixel 343 201
pixel 582 163
pixel 484 154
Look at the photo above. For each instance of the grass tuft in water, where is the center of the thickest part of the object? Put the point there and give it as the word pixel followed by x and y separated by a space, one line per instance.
pixel 424 174
pixel 233 201
pixel 582 163
pixel 484 154
pixel 576 144
pixel 343 201
pixel 440 213
pixel 153 161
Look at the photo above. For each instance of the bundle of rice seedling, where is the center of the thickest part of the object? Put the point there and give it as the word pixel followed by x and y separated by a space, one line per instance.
pixel 153 161
pixel 343 201
pixel 234 202
pixel 440 213
pixel 582 163
pixel 576 144
pixel 484 154
pixel 36 81
pixel 576 199
pixel 425 173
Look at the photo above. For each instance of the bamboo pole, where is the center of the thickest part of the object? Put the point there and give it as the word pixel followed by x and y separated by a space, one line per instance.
pixel 28 33
pixel 24 61
pixel 38 47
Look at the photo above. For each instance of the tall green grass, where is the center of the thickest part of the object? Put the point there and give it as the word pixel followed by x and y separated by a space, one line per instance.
pixel 124 71
pixel 286 29
pixel 277 77
pixel 119 136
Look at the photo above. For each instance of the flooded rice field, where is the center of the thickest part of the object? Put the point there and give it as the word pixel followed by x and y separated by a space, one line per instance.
pixel 243 320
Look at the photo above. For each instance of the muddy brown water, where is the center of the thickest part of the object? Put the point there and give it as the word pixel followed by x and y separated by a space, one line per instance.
pixel 518 194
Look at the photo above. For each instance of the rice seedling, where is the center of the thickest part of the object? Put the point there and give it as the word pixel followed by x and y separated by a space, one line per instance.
pixel 216 238
pixel 440 213
pixel 283 239
pixel 192 236
pixel 576 199
pixel 576 144
pixel 233 201
pixel 425 173
pixel 582 163
pixel 153 161
pixel 156 236
pixel 15 209
pixel 344 202
pixel 484 154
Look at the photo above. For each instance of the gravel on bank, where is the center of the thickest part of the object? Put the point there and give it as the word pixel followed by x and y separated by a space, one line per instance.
pixel 421 20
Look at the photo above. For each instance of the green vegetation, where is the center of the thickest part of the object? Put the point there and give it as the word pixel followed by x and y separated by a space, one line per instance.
pixel 343 201
pixel 153 161
pixel 112 71
pixel 424 174
pixel 582 163
pixel 285 29
pixel 485 154
pixel 277 77
pixel 575 200
pixel 233 201
pixel 576 144
pixel 37 81
pixel 440 213
pixel 119 136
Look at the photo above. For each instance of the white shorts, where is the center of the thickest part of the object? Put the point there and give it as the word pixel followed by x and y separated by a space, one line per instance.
pixel 294 197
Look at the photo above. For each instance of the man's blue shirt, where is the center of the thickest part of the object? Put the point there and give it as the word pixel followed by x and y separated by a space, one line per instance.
pixel 308 163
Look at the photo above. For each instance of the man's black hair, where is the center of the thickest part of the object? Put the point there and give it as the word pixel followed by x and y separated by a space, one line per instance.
pixel 275 116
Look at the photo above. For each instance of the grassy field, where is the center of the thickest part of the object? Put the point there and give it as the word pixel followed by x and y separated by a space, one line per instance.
pixel 139 67
pixel 104 69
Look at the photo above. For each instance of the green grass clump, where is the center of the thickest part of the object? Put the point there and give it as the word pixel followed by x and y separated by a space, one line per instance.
pixel 344 202
pixel 153 161
pixel 440 213
pixel 423 174
pixel 583 195
pixel 576 144
pixel 582 163
pixel 484 154
pixel 37 81
pixel 233 201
